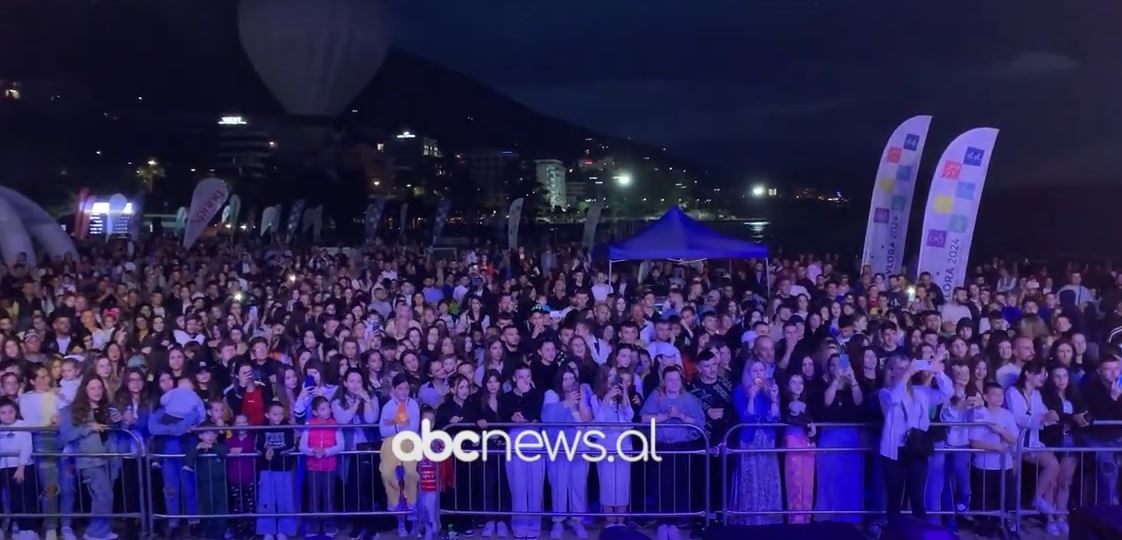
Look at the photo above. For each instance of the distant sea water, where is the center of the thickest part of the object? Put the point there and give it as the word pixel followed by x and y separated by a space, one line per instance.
pixel 1053 225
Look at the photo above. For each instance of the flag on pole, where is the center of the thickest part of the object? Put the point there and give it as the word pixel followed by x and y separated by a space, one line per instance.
pixel 952 208
pixel 440 219
pixel 294 216
pixel 374 212
pixel 893 190
pixel 591 222
pixel 209 196
pixel 514 219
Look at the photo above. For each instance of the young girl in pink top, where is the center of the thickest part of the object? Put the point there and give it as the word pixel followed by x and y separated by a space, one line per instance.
pixel 321 442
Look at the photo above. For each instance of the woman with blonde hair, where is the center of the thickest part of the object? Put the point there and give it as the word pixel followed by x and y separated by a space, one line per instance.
pixel 756 488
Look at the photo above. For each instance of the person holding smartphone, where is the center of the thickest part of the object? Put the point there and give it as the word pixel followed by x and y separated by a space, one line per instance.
pixel 961 408
pixel 840 474
pixel 611 405
pixel 756 486
pixel 905 400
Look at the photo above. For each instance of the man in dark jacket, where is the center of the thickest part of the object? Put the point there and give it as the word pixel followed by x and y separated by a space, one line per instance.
pixel 1103 393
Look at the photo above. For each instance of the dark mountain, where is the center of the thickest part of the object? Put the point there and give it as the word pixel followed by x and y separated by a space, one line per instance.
pixel 105 85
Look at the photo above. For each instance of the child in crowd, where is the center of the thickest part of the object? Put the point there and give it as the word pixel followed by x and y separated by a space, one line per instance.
pixel 71 378
pixel 179 402
pixel 276 494
pixel 218 413
pixel 18 481
pixel 321 443
pixel 239 470
pixel 205 458
pixel 997 435
pixel 428 489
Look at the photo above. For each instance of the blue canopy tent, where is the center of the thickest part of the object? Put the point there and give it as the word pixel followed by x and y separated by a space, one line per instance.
pixel 676 236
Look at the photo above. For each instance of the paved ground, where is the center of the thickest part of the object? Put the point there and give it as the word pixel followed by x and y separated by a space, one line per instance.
pixel 1031 532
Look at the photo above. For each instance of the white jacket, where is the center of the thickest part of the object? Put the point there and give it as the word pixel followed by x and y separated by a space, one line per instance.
pixel 15 447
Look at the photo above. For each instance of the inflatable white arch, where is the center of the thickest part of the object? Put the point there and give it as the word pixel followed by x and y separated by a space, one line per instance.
pixel 20 221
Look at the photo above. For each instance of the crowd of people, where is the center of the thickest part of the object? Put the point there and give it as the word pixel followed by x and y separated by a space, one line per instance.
pixel 244 380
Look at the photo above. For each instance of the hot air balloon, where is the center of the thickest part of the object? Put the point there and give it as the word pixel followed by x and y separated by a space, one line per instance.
pixel 314 56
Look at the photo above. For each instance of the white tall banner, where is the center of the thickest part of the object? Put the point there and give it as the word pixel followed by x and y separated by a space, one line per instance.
pixel 313 221
pixel 514 219
pixel 207 200
pixel 180 219
pixel 892 196
pixel 952 208
pixel 269 219
pixel 590 223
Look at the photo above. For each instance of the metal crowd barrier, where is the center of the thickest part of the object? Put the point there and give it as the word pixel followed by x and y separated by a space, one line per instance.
pixel 854 509
pixel 480 480
pixel 56 491
pixel 482 490
pixel 233 502
pixel 1080 481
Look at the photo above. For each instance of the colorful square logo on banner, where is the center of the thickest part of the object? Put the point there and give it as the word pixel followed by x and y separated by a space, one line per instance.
pixel 898 203
pixel 887 185
pixel 958 223
pixel 951 169
pixel 965 190
pixel 880 215
pixel 904 173
pixel 942 204
pixel 911 141
pixel 973 156
pixel 937 238
pixel 894 154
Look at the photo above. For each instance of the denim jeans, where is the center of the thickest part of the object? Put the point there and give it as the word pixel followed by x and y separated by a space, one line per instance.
pixel 956 486
pixel 97 482
pixel 1106 463
pixel 57 480
pixel 933 488
pixel 179 490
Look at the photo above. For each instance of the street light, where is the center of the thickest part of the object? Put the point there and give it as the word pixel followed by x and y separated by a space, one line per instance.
pixel 758 191
pixel 623 179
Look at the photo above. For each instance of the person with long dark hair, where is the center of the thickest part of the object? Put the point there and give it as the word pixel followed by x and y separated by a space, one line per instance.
pixel 840 474
pixel 353 404
pixel 799 433
pixel 1061 396
pixel 1024 400
pixel 134 403
pixel 610 405
pixel 567 402
pixel 483 411
pixel 85 424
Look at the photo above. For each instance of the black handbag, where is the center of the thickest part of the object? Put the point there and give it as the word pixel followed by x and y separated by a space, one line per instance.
pixel 917 442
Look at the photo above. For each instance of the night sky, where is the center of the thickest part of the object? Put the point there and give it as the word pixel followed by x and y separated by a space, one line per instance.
pixel 797 92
